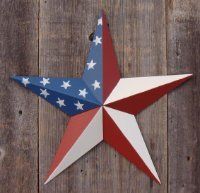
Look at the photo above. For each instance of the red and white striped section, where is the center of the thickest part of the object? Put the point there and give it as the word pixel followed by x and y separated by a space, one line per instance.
pixel 84 131
pixel 134 94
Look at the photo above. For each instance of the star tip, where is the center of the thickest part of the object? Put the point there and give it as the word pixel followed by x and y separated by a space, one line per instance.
pixel 184 76
pixel 187 76
pixel 47 181
pixel 158 181
pixel 103 12
pixel 190 75
pixel 13 77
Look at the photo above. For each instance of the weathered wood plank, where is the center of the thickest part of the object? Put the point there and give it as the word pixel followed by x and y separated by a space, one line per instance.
pixel 183 35
pixel 138 29
pixel 145 55
pixel 18 107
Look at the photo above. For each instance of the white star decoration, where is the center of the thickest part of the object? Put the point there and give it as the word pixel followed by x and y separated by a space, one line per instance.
pixel 25 81
pixel 97 40
pixel 45 81
pixel 79 105
pixel 100 21
pixel 96 84
pixel 91 65
pixel 61 102
pixel 44 93
pixel 83 92
pixel 65 85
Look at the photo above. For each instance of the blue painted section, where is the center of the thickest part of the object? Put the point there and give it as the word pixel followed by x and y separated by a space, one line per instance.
pixel 95 55
pixel 70 95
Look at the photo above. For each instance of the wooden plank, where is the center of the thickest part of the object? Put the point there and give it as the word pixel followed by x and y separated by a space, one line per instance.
pixel 145 55
pixel 183 35
pixel 18 107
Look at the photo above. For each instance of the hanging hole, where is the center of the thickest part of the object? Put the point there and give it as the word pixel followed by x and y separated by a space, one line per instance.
pixel 91 36
pixel 108 24
pixel 20 112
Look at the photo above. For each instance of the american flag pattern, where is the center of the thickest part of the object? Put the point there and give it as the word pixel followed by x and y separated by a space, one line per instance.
pixel 102 105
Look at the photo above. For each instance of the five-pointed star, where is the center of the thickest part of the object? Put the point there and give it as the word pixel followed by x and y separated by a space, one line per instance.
pixel 44 93
pixel 65 85
pixel 96 84
pixel 45 81
pixel 83 92
pixel 97 40
pixel 79 106
pixel 25 81
pixel 91 65
pixel 109 111
pixel 61 102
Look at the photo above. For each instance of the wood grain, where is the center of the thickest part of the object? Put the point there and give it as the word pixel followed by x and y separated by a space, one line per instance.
pixel 145 55
pixel 51 38
pixel 18 107
pixel 183 48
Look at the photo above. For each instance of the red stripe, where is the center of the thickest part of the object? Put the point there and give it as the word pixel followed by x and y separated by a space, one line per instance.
pixel 111 73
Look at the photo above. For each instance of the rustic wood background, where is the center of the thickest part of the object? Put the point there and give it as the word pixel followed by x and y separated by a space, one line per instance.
pixel 50 38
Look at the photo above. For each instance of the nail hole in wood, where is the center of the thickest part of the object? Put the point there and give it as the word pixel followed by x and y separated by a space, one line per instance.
pixel 20 112
pixel 188 158
pixel 81 171
pixel 91 36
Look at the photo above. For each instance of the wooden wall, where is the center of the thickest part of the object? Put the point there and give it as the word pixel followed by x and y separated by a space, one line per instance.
pixel 50 38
